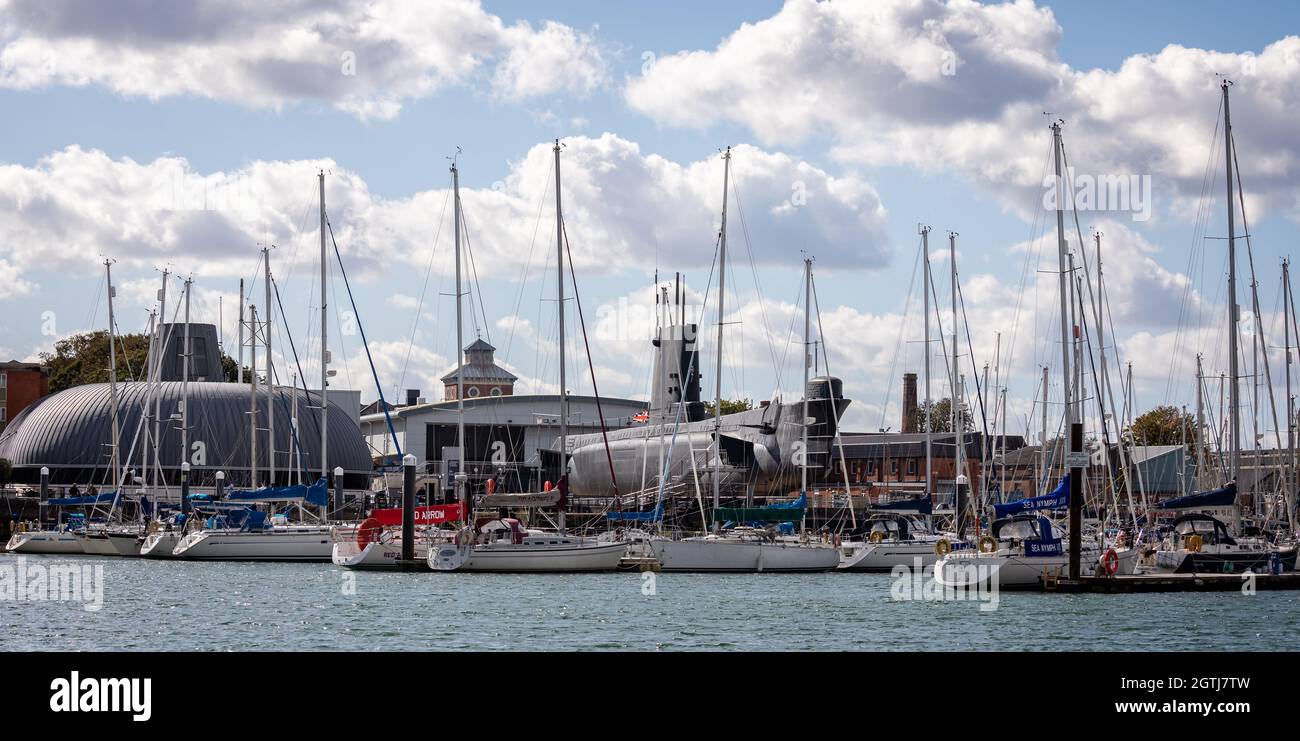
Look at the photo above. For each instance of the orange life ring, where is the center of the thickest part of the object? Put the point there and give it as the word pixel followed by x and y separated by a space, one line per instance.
pixel 368 532
pixel 1110 562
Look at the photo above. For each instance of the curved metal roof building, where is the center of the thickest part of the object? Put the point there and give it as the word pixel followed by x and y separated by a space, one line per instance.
pixel 71 432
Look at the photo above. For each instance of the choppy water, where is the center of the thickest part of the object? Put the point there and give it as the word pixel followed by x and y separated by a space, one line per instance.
pixel 302 607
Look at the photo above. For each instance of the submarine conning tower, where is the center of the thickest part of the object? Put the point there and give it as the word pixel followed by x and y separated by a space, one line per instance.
pixel 676 359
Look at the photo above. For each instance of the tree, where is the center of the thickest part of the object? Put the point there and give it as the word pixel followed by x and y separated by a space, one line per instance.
pixel 6 470
pixel 1164 425
pixel 83 358
pixel 729 406
pixel 939 415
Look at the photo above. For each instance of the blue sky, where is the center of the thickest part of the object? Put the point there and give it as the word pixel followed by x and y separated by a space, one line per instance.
pixel 880 147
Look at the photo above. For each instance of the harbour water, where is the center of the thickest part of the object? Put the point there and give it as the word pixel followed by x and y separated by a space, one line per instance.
pixel 169 605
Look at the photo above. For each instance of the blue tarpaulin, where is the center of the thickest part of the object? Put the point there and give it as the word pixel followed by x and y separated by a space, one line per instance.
pixel 316 494
pixel 919 505
pixel 78 501
pixel 653 515
pixel 1058 499
pixel 1225 497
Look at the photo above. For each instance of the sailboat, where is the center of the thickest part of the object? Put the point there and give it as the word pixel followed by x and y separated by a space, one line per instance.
pixel 503 544
pixel 901 533
pixel 1024 548
pixel 1198 541
pixel 745 548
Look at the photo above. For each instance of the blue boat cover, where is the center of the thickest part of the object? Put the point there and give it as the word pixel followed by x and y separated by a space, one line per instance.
pixel 1058 499
pixel 316 494
pixel 653 515
pixel 1224 497
pixel 919 505
pixel 106 496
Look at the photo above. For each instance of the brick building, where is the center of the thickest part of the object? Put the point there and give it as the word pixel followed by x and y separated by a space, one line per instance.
pixel 483 377
pixel 20 385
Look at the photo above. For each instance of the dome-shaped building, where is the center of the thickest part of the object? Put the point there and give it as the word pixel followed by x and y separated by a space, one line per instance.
pixel 71 433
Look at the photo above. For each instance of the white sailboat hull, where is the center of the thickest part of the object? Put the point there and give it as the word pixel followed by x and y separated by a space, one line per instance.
pixel 883 557
pixel 375 555
pixel 585 557
pixel 726 555
pixel 44 541
pixel 1017 571
pixel 96 544
pixel 159 545
pixel 277 544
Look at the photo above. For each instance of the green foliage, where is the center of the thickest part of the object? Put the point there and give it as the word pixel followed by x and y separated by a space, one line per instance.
pixel 6 470
pixel 730 406
pixel 83 358
pixel 1164 425
pixel 937 415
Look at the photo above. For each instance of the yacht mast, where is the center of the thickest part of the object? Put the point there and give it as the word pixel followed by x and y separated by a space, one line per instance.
pixel 807 309
pixel 460 353
pixel 157 400
pixel 722 291
pixel 185 379
pixel 112 375
pixel 270 381
pixel 1234 465
pixel 559 283
pixel 252 396
pixel 324 342
pixel 1072 426
pixel 1290 412
pixel 929 410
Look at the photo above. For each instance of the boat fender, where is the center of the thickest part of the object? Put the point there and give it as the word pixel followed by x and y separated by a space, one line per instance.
pixel 988 544
pixel 1110 562
pixel 942 548
pixel 836 540
pixel 368 531
pixel 1194 543
pixel 877 537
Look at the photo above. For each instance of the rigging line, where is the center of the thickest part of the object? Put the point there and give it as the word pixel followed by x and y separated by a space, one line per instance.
pixel 844 465
pixel 478 289
pixel 1254 292
pixel 961 301
pixel 1199 225
pixel 591 367
pixel 424 287
pixel 523 270
pixel 690 369
pixel 753 267
pixel 902 331
pixel 383 404
pixel 1036 230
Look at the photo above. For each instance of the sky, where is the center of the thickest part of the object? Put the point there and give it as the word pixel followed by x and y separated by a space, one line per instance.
pixel 187 135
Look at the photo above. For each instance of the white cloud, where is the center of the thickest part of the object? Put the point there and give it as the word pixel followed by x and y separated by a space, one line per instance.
pixel 367 58
pixel 624 210
pixel 961 85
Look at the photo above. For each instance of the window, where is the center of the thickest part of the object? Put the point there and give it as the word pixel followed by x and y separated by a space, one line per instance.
pixel 4 380
pixel 893 467
pixel 3 412
pixel 911 466
pixel 871 467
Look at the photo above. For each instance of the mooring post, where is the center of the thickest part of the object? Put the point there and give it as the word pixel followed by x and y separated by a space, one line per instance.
pixel 221 485
pixel 338 490
pixel 408 508
pixel 185 488
pixel 1076 499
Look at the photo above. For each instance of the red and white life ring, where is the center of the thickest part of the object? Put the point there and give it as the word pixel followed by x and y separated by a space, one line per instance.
pixel 1110 562
pixel 368 532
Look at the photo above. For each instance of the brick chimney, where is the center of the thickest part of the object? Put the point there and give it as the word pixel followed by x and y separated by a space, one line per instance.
pixel 909 403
